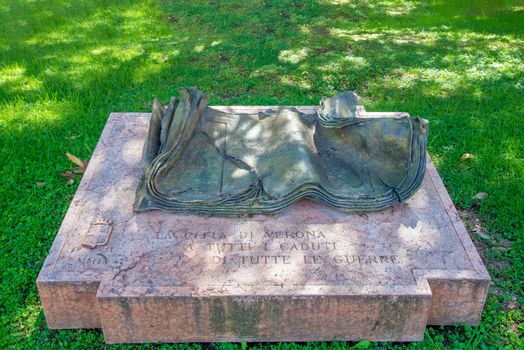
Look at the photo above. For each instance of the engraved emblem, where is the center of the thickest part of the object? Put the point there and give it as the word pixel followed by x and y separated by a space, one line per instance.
pixel 98 234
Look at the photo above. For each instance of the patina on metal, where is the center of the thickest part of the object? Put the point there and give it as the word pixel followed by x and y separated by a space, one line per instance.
pixel 201 160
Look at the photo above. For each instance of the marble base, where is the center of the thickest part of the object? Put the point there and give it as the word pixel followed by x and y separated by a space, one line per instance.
pixel 309 273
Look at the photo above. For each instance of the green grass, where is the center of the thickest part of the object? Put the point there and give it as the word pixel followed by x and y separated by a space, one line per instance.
pixel 65 65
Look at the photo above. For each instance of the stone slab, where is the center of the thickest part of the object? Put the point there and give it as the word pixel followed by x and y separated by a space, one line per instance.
pixel 309 273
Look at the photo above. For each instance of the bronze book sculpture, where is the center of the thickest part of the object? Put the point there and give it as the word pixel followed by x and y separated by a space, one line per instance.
pixel 200 160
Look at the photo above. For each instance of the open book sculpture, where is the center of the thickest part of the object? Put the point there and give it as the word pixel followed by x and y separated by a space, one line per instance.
pixel 200 160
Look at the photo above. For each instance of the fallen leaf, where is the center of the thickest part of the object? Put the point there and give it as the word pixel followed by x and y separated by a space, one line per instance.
pixel 76 170
pixel 41 183
pixel 75 159
pixel 466 156
pixel 478 227
pixel 481 232
pixel 512 304
pixel 480 196
pixel 68 174
pixel 74 137
pixel 70 182
pixel 82 164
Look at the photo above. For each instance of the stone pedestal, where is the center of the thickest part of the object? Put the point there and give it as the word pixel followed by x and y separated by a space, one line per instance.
pixel 309 273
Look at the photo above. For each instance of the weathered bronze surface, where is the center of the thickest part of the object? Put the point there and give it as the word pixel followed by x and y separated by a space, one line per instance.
pixel 200 160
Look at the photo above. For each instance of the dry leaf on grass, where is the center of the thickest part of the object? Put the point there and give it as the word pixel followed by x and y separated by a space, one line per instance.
pixel 82 164
pixel 482 232
pixel 76 170
pixel 466 156
pixel 41 183
pixel 512 304
pixel 480 196
pixel 74 137
pixel 68 174
pixel 70 182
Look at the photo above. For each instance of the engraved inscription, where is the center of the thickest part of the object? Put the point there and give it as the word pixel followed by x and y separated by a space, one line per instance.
pixel 365 259
pixel 98 259
pixel 253 260
pixel 273 247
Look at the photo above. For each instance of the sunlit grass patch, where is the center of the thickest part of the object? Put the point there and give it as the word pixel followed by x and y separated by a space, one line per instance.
pixel 15 81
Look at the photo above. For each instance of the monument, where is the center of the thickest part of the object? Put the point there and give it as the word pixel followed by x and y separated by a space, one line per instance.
pixel 212 162
pixel 212 224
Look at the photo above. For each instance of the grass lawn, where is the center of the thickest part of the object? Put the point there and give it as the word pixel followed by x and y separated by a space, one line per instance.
pixel 65 65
